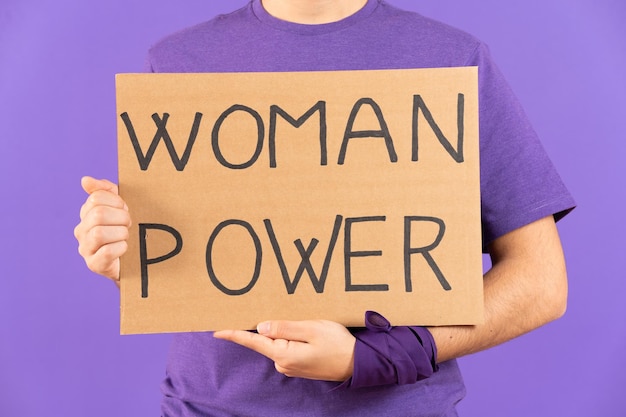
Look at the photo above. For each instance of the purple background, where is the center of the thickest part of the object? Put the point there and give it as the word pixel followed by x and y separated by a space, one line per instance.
pixel 60 352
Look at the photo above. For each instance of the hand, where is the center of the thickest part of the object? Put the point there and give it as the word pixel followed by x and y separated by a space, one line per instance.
pixel 312 349
pixel 103 228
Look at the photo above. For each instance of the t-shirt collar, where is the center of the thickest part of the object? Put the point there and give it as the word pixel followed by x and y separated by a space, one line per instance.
pixel 312 29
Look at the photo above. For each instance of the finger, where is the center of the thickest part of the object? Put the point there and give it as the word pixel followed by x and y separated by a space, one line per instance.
pixel 106 260
pixel 102 198
pixel 100 236
pixel 301 331
pixel 288 372
pixel 101 226
pixel 91 184
pixel 254 341
pixel 105 216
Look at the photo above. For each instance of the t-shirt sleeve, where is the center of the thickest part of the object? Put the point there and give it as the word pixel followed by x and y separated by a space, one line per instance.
pixel 519 184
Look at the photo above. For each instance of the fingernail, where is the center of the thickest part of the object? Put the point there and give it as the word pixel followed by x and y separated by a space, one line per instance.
pixel 263 328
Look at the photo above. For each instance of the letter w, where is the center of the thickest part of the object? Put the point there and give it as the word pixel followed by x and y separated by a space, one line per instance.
pixel 305 254
pixel 161 133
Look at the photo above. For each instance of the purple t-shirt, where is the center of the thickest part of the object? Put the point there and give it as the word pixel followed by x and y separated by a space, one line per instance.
pixel 209 377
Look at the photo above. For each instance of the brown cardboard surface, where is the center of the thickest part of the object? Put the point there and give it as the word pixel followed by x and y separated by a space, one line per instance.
pixel 259 196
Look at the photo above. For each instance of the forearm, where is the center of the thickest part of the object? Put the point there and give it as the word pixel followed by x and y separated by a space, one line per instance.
pixel 525 288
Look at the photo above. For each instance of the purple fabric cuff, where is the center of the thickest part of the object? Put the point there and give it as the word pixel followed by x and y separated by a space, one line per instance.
pixel 386 355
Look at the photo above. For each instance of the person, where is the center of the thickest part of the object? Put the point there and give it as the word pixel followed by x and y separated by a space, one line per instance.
pixel 313 367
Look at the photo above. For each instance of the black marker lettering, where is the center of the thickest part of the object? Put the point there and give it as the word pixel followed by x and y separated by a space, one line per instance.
pixel 276 110
pixel 257 265
pixel 424 250
pixel 456 154
pixel 383 132
pixel 161 133
pixel 215 135
pixel 305 254
pixel 143 251
pixel 348 254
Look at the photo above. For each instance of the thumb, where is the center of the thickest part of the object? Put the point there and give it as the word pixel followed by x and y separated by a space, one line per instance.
pixel 91 184
pixel 301 331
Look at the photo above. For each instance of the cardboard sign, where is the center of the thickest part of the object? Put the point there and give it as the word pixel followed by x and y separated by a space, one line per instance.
pixel 317 195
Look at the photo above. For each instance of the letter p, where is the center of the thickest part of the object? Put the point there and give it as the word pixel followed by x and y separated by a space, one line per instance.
pixel 143 251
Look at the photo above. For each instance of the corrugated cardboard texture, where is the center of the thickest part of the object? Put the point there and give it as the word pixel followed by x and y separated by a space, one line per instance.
pixel 299 196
